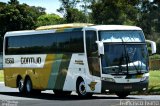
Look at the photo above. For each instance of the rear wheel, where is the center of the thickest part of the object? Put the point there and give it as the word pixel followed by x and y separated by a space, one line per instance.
pixel 21 86
pixel 28 86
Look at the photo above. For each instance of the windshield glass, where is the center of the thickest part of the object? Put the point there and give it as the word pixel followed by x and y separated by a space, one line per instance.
pixel 119 36
pixel 124 59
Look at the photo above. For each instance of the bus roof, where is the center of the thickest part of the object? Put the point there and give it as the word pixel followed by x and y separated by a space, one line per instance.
pixel 88 26
pixel 63 26
pixel 95 27
pixel 28 32
pixel 112 27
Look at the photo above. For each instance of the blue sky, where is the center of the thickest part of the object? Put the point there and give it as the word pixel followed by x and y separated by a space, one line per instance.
pixel 50 5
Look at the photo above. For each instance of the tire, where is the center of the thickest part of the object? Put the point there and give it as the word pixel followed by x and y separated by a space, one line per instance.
pixel 21 87
pixel 81 88
pixel 28 86
pixel 122 94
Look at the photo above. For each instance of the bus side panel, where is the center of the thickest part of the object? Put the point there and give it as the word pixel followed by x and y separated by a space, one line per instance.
pixel 43 74
pixel 51 76
pixel 59 71
pixel 78 67
pixel 9 78
pixel 11 75
pixel 38 75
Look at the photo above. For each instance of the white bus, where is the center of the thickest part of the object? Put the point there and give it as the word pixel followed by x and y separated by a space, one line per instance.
pixel 88 60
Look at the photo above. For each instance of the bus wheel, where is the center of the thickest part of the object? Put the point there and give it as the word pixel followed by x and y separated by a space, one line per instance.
pixel 28 86
pixel 122 94
pixel 81 88
pixel 21 86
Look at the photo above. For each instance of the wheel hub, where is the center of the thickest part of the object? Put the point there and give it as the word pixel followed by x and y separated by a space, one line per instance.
pixel 82 88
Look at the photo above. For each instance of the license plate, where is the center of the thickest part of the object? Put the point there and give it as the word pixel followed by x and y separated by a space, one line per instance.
pixel 128 87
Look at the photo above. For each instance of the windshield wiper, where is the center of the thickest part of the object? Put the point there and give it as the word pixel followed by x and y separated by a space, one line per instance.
pixel 126 56
pixel 128 60
pixel 120 69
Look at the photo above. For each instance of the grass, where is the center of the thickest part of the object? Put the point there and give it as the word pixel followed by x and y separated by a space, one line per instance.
pixel 154 82
pixel 1 75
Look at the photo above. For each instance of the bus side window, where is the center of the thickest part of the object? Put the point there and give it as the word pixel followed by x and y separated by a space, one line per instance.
pixel 92 53
pixel 91 45
pixel 6 45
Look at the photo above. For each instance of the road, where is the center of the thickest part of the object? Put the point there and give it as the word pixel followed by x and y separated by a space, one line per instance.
pixel 11 97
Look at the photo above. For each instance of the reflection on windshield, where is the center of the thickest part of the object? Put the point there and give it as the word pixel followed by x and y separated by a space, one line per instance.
pixel 118 36
pixel 119 57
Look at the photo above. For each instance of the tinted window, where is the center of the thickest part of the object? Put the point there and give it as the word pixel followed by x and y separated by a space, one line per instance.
pixel 63 42
pixel 91 45
pixel 44 43
pixel 76 40
pixel 92 53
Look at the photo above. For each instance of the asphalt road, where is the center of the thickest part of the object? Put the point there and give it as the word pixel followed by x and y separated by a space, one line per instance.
pixel 11 97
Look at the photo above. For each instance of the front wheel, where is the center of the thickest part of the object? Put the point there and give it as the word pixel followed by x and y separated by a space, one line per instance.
pixel 81 89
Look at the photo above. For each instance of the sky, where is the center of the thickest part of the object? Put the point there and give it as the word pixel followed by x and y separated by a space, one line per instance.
pixel 50 5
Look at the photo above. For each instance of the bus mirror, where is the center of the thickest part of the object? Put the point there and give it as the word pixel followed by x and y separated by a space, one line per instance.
pixel 100 47
pixel 153 46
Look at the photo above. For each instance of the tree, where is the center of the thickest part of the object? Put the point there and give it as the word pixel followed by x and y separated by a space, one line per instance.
pixel 149 21
pixel 49 19
pixel 74 15
pixel 65 5
pixel 13 2
pixel 70 12
pixel 145 18
pixel 156 4
pixel 114 11
pixel 15 16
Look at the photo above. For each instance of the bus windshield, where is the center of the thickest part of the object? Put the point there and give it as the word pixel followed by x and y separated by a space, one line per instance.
pixel 119 36
pixel 124 59
pixel 125 52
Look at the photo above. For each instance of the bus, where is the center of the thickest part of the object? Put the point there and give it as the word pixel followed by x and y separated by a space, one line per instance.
pixel 88 59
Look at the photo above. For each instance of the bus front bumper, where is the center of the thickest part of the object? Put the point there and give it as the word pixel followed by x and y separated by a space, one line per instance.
pixel 113 87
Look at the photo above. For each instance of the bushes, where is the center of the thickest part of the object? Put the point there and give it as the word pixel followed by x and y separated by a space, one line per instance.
pixel 154 62
pixel 154 57
pixel 158 46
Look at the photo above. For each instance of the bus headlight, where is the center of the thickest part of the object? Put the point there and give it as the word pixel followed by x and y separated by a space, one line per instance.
pixel 144 78
pixel 108 79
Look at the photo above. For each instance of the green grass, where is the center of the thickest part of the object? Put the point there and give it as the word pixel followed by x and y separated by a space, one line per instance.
pixel 1 75
pixel 154 82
